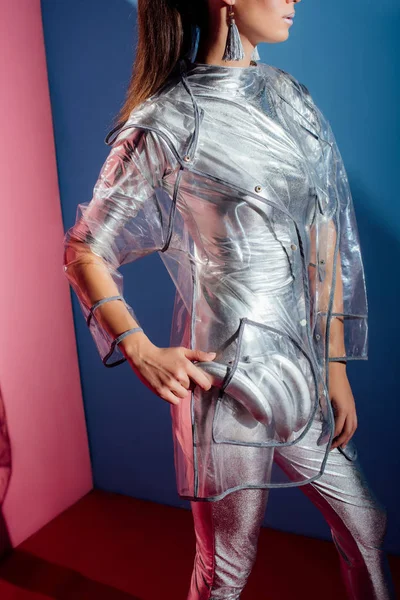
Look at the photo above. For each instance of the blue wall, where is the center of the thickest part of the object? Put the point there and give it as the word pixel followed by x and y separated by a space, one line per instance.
pixel 345 53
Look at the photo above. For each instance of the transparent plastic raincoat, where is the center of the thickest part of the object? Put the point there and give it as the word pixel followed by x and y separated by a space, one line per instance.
pixel 233 175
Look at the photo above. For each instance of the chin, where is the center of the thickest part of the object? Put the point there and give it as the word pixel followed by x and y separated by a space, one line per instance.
pixel 281 36
pixel 284 36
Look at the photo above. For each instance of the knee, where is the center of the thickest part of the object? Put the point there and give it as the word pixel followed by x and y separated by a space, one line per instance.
pixel 370 527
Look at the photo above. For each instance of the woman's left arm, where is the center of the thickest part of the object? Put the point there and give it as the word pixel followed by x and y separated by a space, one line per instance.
pixel 340 392
pixel 343 279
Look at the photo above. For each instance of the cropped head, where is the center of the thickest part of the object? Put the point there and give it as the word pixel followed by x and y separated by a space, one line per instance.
pixel 168 30
pixel 259 20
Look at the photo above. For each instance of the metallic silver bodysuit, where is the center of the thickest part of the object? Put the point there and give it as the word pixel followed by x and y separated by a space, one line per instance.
pixel 233 175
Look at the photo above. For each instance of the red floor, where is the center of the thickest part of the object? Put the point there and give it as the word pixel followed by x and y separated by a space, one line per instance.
pixel 112 547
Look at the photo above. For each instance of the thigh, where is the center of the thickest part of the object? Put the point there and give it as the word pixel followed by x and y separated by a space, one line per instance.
pixel 342 492
pixel 356 517
pixel 230 525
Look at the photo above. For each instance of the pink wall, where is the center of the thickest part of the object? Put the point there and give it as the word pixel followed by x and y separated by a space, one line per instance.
pixel 39 376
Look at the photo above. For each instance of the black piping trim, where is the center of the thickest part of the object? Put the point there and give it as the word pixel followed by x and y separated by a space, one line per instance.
pixel 113 131
pixel 172 212
pixel 346 358
pixel 256 487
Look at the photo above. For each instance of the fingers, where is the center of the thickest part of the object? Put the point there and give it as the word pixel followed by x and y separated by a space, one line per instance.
pixel 169 396
pixel 175 386
pixel 194 354
pixel 344 435
pixel 169 372
pixel 185 379
pixel 340 420
pixel 178 389
pixel 198 376
pixel 181 377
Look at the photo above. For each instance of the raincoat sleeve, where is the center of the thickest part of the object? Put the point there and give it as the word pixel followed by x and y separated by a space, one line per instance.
pixel 342 297
pixel 126 219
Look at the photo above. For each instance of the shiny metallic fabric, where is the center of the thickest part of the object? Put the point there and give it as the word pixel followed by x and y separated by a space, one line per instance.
pixel 227 530
pixel 233 175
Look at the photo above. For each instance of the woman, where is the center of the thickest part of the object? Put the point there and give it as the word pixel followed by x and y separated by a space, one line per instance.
pixel 229 170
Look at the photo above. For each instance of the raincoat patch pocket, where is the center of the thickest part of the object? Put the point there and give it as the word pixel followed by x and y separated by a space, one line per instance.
pixel 347 335
pixel 268 396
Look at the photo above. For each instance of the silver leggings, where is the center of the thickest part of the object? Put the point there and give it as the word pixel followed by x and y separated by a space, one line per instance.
pixel 227 530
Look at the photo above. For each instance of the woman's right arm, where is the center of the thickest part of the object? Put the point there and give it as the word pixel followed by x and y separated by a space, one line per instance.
pixel 124 221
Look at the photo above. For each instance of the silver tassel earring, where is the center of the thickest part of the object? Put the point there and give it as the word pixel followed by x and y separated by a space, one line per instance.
pixel 233 49
pixel 255 56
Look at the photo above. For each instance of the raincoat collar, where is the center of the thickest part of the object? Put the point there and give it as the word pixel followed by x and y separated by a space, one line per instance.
pixel 252 83
pixel 243 81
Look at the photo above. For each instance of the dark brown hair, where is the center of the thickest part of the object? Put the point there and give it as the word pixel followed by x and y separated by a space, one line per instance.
pixel 166 32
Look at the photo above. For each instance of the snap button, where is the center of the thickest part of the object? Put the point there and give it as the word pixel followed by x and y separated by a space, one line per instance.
pixel 258 188
pixel 303 322
pixel 186 158
pixel 317 336
pixel 293 246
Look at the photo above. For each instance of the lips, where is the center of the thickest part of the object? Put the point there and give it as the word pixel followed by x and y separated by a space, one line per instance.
pixel 289 19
